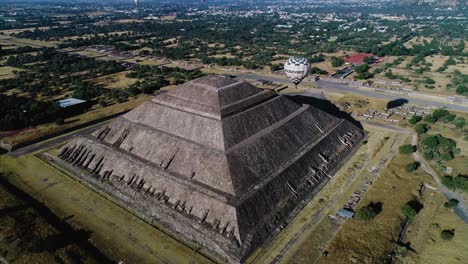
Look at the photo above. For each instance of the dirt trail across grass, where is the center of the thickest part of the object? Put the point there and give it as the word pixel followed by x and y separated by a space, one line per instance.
pixel 462 208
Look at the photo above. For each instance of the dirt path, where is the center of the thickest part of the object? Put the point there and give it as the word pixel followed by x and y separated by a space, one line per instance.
pixel 462 208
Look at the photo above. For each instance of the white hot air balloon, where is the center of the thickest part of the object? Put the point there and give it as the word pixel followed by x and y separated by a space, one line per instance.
pixel 297 69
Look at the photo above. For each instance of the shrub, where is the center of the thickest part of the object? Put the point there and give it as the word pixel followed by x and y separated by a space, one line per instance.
pixel 447 234
pixel 452 203
pixel 414 119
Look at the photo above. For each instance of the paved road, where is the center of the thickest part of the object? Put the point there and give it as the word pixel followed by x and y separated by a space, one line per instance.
pixel 52 142
pixel 344 88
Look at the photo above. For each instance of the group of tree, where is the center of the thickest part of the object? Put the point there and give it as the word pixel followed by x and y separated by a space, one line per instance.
pixel 440 115
pixel 336 62
pixel 19 112
pixel 363 72
pixel 438 147
pixel 459 82
pixel 459 182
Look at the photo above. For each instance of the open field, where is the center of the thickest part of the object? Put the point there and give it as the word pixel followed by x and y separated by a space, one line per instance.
pixel 116 80
pixel 115 232
pixel 20 42
pixel 19 30
pixel 6 72
pixel 441 79
pixel 88 53
pixel 417 41
pixel 426 240
pixel 147 61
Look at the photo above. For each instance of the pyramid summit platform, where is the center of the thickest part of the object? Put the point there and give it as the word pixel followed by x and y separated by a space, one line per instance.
pixel 217 161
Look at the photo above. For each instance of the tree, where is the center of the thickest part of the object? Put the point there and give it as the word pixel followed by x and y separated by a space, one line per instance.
pixel 407 149
pixel 362 68
pixel 408 211
pixel 430 119
pixel 447 156
pixel 102 103
pixel 365 213
pixel 275 67
pixel 412 166
pixel 430 141
pixel 459 122
pixel 59 121
pixel 429 81
pixel 421 128
pixel 414 119
pixel 452 203
pixel 439 113
pixel 461 89
pixel 316 70
pixel 447 234
pixel 336 62
pixel 459 182
pixel 369 212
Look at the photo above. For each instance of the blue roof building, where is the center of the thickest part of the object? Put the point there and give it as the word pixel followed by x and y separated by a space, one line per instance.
pixel 345 213
pixel 70 102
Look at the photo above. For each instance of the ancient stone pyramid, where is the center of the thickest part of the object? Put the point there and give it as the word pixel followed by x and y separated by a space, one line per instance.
pixel 217 161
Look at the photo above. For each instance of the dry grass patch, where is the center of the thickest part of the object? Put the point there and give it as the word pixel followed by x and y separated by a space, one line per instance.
pixel 430 247
pixel 6 72
pixel 417 41
pixel 116 80
pixel 368 241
